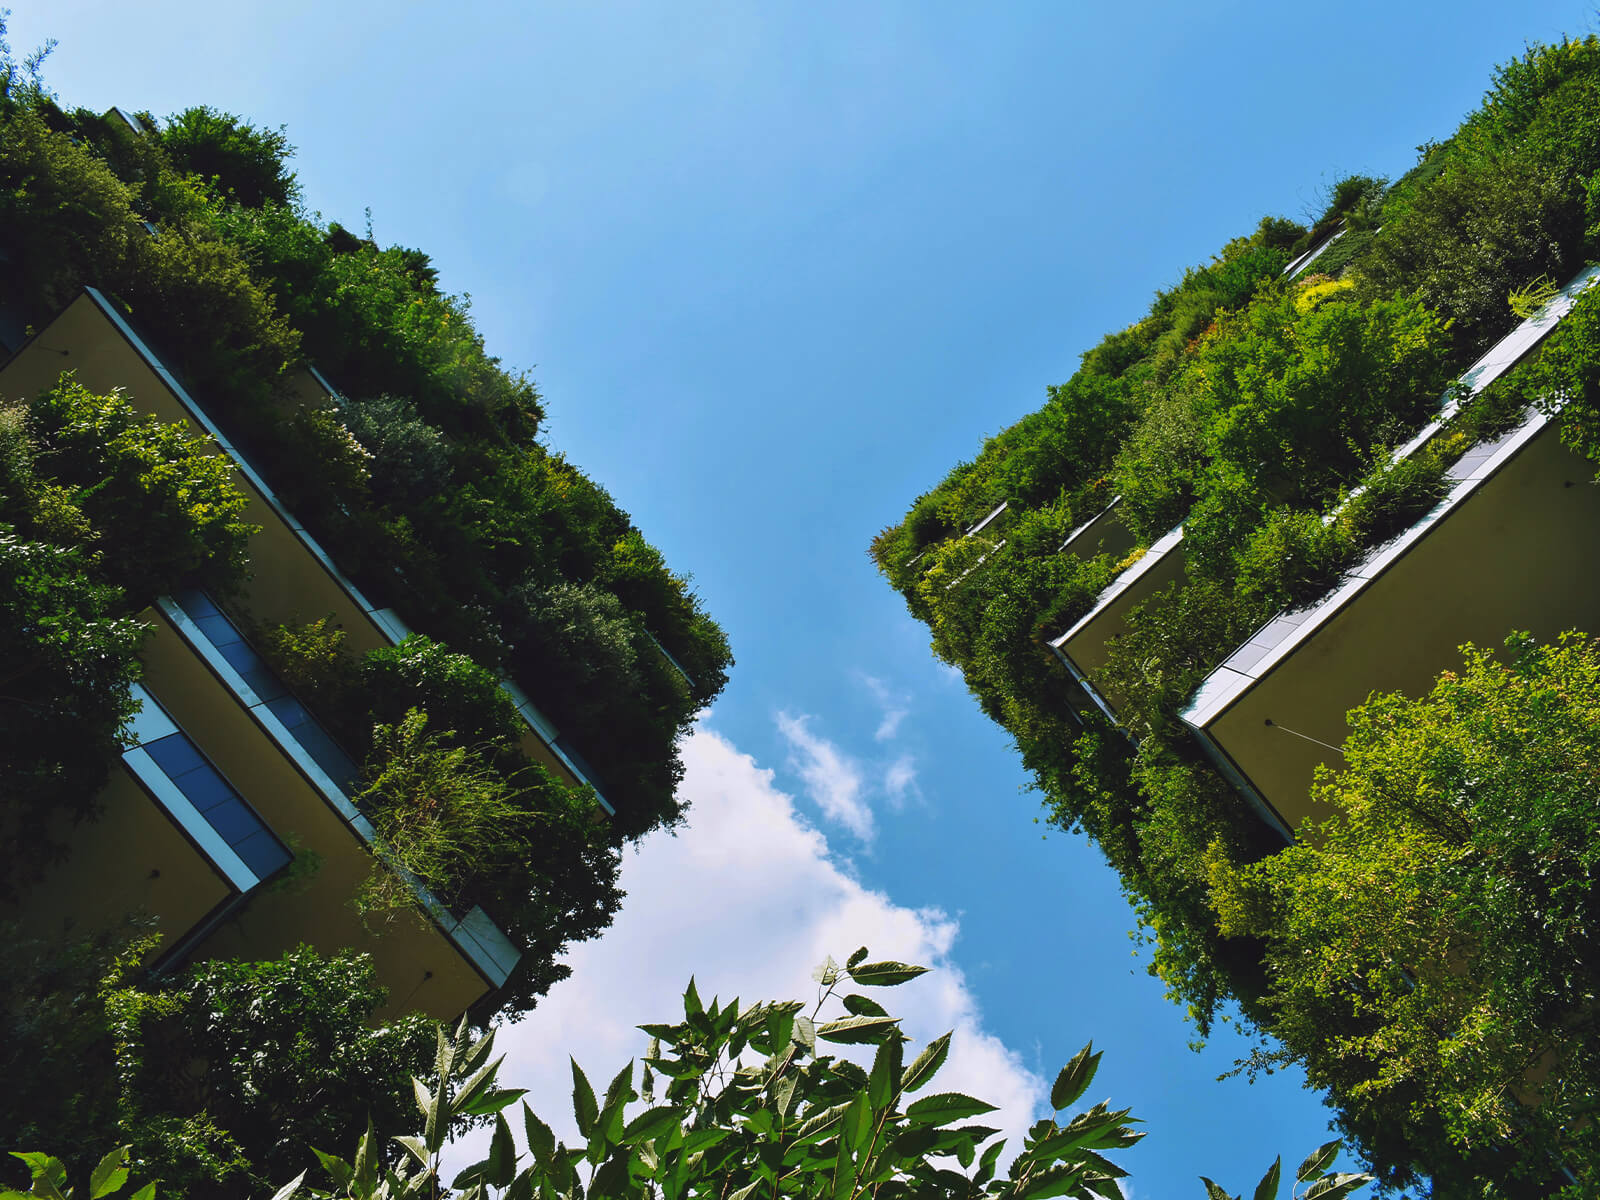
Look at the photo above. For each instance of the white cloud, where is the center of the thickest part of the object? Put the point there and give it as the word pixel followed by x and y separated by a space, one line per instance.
pixel 895 708
pixel 900 781
pixel 832 778
pixel 747 898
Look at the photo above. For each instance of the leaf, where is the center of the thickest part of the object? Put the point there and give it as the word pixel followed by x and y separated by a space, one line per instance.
pixel 1075 1078
pixel 282 1193
pixel 926 1064
pixel 854 1030
pixel 1331 1187
pixel 148 1191
pixel 541 1138
pixel 885 974
pixel 1214 1191
pixel 492 1101
pixel 944 1107
pixel 1318 1161
pixel 863 1007
pixel 43 1167
pixel 652 1123
pixel 109 1174
pixel 1056 1181
pixel 805 1032
pixel 584 1108
pixel 884 1079
pixel 502 1162
pixel 691 1000
pixel 856 1127
pixel 986 1164
pixel 338 1170
pixel 855 958
pixel 415 1148
pixel 1267 1189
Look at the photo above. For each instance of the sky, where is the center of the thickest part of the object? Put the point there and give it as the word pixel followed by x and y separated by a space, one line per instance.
pixel 776 269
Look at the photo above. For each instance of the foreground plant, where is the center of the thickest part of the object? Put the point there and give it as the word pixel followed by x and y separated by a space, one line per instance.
pixel 742 1103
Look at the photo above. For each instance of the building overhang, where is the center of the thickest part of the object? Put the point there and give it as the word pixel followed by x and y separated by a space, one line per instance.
pixel 1510 546
pixel 1274 710
pixel 1085 647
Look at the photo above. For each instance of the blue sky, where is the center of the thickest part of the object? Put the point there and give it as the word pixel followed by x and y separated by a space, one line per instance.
pixel 777 268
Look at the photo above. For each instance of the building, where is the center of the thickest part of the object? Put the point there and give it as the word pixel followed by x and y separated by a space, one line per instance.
pixel 228 778
pixel 1511 545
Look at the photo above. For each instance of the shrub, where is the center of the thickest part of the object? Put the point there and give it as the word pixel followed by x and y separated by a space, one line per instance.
pixel 163 501
pixel 246 163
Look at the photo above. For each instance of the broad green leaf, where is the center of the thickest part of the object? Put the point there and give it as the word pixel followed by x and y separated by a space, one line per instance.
pixel 856 1126
pixel 148 1191
pixel 747 1191
pixel 652 1123
pixel 805 1033
pixel 415 1148
pixel 1214 1190
pixel 883 1084
pixel 943 1107
pixel 501 1164
pixel 109 1174
pixel 704 1139
pixel 1267 1189
pixel 541 1139
pixel 861 1006
pixel 819 1125
pixel 885 974
pixel 338 1170
pixel 926 1064
pixel 584 1108
pixel 783 1095
pixel 1332 1187
pixel 854 1030
pixel 1075 1078
pixel 691 1000
pixel 987 1164
pixel 492 1101
pixel 283 1193
pixel 1055 1181
pixel 856 959
pixel 43 1167
pixel 1318 1161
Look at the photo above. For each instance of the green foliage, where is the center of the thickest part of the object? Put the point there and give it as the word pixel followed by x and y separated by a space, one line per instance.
pixel 106 1182
pixel 1261 415
pixel 426 485
pixel 164 502
pixel 243 162
pixel 742 1101
pixel 1432 942
pixel 442 813
pixel 227 1073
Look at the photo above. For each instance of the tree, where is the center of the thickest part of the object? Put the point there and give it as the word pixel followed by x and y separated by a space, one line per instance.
pixel 226 1074
pixel 247 163
pixel 1433 943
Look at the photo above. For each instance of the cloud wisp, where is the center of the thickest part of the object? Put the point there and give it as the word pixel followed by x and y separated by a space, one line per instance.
pixel 895 707
pixel 747 898
pixel 833 779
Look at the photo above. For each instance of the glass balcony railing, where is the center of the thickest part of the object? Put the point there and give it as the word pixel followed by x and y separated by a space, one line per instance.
pixel 200 799
pixel 270 691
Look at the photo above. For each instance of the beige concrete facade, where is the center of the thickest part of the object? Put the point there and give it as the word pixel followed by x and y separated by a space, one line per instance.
pixel 1514 548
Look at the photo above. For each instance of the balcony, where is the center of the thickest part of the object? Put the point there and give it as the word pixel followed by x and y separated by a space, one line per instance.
pixel 1510 546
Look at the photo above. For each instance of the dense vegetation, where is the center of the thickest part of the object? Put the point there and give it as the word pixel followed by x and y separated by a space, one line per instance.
pixel 733 1102
pixel 1259 409
pixel 100 511
pixel 425 479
